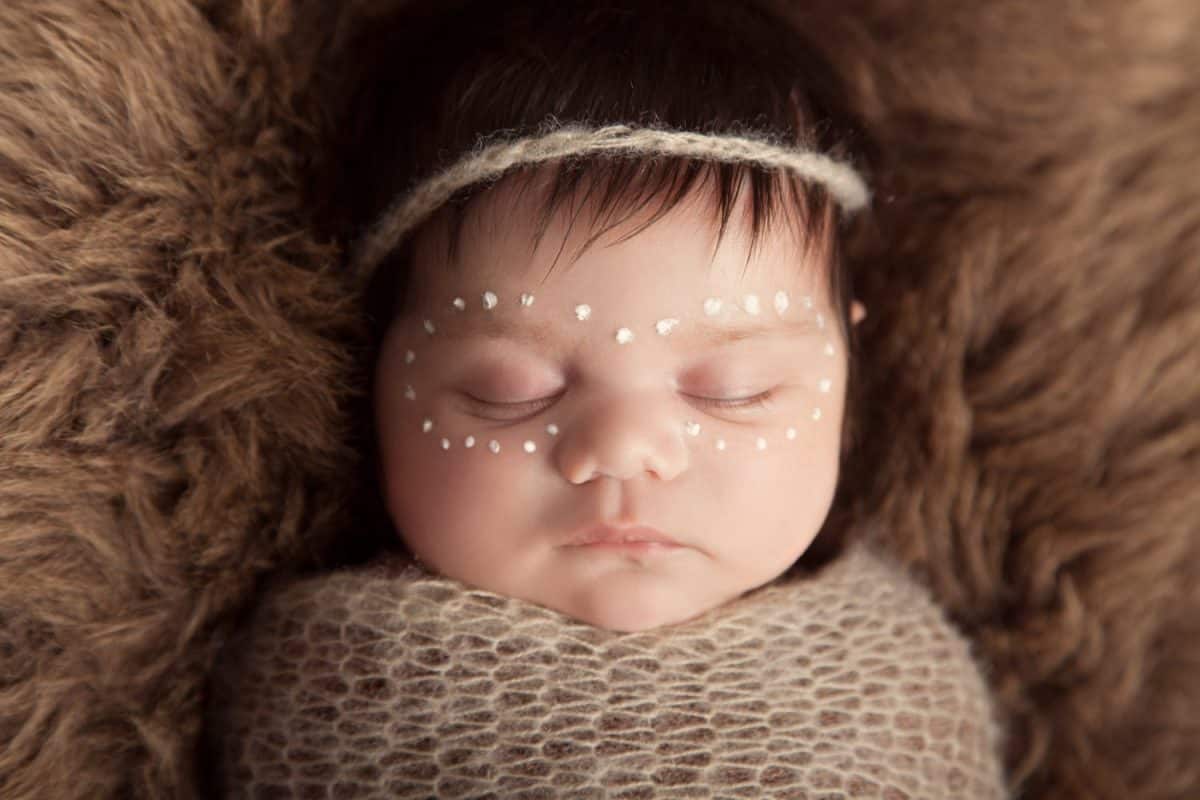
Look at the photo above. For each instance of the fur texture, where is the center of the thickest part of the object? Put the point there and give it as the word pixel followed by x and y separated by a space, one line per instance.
pixel 179 351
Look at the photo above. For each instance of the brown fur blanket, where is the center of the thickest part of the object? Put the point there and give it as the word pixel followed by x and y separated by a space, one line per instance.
pixel 180 357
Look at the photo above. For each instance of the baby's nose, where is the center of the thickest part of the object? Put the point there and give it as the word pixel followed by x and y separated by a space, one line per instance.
pixel 622 438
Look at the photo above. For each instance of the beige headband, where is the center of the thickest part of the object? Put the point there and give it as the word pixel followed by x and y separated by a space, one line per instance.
pixel 842 181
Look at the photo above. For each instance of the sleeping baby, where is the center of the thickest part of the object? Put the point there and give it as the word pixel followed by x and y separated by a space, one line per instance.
pixel 601 242
pixel 644 433
pixel 615 356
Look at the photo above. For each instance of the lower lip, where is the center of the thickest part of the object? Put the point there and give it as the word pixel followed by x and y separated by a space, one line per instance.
pixel 630 547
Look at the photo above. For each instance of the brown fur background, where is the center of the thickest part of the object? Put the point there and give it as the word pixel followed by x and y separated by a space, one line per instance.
pixel 178 354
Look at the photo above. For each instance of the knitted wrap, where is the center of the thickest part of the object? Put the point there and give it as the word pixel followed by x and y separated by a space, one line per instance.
pixel 384 681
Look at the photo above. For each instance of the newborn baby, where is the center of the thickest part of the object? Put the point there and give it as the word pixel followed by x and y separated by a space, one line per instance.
pixel 614 320
pixel 615 337
pixel 630 439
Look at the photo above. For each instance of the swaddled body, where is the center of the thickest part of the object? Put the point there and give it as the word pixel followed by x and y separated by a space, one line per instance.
pixel 386 681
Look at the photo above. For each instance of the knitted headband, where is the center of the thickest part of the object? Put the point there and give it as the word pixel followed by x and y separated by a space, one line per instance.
pixel 485 162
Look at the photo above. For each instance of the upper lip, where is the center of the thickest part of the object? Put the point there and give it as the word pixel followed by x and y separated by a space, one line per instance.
pixel 606 534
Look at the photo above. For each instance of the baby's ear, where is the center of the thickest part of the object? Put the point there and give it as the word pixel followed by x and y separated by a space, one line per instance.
pixel 857 312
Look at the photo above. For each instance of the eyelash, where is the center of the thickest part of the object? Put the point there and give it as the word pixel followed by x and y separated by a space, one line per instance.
pixel 760 400
pixel 535 407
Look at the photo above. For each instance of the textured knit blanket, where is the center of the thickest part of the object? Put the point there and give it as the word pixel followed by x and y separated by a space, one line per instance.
pixel 384 681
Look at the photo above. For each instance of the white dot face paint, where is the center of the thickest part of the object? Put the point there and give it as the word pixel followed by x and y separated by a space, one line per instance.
pixel 781 303
pixel 713 306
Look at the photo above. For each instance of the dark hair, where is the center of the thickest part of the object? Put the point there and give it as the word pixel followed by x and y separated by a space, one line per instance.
pixel 436 76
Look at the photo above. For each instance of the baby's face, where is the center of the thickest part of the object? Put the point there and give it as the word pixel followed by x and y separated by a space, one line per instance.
pixel 637 393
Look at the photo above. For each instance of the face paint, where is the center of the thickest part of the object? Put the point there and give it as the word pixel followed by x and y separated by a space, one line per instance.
pixel 713 306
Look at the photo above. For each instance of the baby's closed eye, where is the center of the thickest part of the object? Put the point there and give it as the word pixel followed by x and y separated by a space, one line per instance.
pixel 497 406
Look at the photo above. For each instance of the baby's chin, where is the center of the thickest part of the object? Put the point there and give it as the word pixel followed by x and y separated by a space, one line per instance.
pixel 632 606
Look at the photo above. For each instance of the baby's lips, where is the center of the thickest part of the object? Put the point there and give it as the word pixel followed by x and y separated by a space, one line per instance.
pixel 604 533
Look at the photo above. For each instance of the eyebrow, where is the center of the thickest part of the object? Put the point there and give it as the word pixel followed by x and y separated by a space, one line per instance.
pixel 702 333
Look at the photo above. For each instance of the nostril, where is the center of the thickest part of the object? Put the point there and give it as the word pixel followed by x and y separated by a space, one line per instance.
pixel 582 473
pixel 664 471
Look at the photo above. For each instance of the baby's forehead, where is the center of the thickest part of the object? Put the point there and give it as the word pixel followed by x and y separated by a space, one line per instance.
pixel 715 321
pixel 680 259
pixel 622 294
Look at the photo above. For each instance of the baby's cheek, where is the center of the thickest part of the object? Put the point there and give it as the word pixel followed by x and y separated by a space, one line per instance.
pixel 445 500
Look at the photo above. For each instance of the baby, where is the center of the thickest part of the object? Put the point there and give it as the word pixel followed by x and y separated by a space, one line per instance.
pixel 601 245
pixel 613 379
